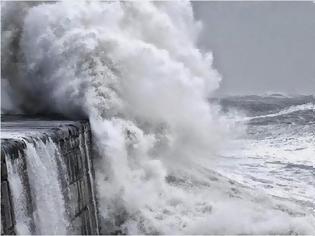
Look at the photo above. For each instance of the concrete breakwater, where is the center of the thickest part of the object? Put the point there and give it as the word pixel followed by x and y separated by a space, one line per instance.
pixel 46 177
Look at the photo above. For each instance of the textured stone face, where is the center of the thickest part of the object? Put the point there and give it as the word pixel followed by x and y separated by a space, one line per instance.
pixel 47 177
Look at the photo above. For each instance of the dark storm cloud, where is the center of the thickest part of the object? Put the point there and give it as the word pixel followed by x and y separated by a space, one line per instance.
pixel 261 46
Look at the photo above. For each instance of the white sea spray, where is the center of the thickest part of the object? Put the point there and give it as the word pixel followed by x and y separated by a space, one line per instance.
pixel 133 69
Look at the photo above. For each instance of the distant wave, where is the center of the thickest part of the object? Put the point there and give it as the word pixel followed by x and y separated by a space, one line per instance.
pixel 276 94
pixel 291 109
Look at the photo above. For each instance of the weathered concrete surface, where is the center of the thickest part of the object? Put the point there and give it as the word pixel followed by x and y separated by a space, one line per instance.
pixel 73 139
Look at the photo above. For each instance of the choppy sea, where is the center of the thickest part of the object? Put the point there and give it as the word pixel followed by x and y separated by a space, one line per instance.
pixel 276 153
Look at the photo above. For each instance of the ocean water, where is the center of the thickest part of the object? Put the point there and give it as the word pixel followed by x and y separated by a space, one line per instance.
pixel 276 153
pixel 166 160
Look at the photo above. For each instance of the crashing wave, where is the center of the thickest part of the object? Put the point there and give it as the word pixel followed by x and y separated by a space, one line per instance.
pixel 134 70
pixel 291 109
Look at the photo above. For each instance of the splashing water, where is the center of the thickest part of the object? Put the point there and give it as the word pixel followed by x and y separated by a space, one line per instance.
pixel 49 216
pixel 134 70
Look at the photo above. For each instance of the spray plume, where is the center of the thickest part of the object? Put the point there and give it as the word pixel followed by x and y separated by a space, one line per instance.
pixel 133 69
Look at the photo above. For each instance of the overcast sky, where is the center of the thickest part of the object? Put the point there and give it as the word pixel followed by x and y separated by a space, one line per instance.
pixel 260 46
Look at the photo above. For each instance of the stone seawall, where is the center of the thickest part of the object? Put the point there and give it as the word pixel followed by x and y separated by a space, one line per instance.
pixel 47 177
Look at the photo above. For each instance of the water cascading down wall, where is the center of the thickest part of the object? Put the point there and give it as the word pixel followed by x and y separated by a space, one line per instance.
pixel 46 177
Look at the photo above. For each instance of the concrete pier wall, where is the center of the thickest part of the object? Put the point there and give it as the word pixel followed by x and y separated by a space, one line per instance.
pixel 47 164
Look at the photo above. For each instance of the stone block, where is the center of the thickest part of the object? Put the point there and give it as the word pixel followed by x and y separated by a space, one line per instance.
pixel 7 220
pixel 76 186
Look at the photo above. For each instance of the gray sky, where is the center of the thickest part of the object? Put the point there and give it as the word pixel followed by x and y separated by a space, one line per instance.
pixel 260 46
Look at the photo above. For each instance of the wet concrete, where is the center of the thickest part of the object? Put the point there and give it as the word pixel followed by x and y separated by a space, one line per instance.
pixel 73 141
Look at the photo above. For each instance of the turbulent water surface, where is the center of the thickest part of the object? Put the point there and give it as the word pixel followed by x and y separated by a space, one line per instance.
pixel 135 71
pixel 277 153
